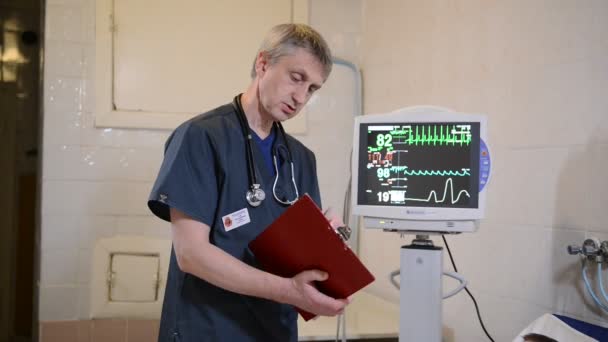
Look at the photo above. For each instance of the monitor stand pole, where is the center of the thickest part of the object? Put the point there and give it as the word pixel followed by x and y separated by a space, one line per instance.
pixel 420 291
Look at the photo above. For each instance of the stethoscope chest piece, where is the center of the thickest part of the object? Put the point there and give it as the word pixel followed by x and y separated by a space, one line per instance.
pixel 255 195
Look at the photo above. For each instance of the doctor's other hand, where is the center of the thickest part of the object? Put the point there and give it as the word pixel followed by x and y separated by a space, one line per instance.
pixel 334 219
pixel 303 294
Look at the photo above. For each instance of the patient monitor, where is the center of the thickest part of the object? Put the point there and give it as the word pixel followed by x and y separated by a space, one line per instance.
pixel 420 170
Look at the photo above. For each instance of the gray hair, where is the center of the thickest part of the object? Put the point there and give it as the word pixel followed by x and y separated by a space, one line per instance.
pixel 283 39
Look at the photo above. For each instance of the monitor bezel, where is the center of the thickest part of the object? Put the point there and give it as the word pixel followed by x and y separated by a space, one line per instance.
pixel 417 114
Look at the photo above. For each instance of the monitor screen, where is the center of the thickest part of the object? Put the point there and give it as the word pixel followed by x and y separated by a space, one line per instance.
pixel 419 164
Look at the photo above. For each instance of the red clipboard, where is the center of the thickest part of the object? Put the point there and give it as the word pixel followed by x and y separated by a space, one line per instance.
pixel 302 239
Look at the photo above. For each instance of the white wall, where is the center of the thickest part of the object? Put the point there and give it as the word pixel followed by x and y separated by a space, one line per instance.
pixel 538 69
pixel 96 181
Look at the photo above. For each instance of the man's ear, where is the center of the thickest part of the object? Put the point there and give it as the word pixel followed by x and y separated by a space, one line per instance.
pixel 261 63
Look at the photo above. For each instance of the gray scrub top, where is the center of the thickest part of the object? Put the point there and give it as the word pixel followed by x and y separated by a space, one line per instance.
pixel 204 175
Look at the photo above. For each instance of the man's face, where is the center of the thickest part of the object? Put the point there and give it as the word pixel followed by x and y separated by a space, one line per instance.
pixel 286 85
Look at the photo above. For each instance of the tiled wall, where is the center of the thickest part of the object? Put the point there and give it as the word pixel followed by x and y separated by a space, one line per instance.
pixel 538 70
pixel 96 181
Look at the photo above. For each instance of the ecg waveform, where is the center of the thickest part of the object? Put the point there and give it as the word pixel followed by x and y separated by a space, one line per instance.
pixel 433 135
pixel 448 183
pixel 446 173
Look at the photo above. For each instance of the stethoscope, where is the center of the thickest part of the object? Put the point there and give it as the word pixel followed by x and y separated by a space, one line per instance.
pixel 256 195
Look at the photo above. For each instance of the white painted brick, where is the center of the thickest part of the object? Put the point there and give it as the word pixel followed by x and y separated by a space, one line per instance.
pixel 65 22
pixel 57 303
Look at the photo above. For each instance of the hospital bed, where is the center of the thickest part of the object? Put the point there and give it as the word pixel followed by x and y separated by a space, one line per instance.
pixel 564 329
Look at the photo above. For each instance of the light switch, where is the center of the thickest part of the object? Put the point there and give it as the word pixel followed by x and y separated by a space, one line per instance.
pixel 133 277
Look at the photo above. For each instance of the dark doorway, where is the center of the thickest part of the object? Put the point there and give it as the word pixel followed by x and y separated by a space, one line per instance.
pixel 20 118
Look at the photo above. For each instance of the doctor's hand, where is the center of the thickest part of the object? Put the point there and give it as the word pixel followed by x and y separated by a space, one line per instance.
pixel 305 295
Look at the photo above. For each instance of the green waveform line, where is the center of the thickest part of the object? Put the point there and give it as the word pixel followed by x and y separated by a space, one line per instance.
pixel 433 193
pixel 404 169
pixel 371 149
pixel 428 135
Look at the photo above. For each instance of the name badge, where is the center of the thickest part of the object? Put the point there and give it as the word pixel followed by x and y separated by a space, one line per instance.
pixel 236 219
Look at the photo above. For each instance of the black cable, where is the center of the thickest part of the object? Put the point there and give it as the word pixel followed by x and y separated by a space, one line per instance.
pixel 247 136
pixel 466 289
